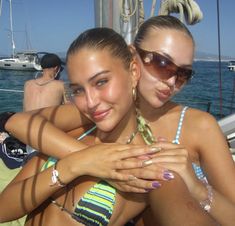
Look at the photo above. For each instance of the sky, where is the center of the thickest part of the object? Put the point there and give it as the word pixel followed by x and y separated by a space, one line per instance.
pixel 51 25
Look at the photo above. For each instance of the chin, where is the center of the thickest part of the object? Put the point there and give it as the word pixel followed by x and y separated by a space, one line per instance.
pixel 105 126
pixel 156 103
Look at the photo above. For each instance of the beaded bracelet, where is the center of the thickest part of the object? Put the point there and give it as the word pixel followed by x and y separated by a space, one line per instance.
pixel 55 177
pixel 206 204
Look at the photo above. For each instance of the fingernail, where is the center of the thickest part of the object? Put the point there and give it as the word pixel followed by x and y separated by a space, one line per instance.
pixel 168 175
pixel 147 162
pixel 144 157
pixel 155 149
pixel 156 184
pixel 131 177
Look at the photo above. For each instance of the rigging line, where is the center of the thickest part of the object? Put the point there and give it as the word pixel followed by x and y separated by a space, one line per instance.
pixel 219 52
pixel 0 7
pixel 12 90
pixel 153 8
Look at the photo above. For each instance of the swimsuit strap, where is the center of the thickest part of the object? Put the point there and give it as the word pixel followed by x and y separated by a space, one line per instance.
pixel 86 133
pixel 177 137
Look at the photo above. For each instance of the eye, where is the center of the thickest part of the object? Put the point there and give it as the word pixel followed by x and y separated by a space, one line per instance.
pixel 77 91
pixel 101 82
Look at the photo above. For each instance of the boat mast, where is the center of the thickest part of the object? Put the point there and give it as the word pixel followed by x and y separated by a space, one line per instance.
pixel 11 30
pixel 121 15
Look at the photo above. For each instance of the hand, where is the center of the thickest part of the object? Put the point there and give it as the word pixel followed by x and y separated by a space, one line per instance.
pixel 145 179
pixel 176 158
pixel 105 160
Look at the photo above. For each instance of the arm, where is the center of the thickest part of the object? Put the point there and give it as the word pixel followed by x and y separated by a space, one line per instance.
pixel 65 117
pixel 33 129
pixel 31 187
pixel 216 160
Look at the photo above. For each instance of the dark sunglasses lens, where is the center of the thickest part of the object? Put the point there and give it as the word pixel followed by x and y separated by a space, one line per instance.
pixel 163 66
pixel 184 75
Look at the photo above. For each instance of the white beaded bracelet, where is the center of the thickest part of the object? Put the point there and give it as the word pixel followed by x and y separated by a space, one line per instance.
pixel 55 177
pixel 206 204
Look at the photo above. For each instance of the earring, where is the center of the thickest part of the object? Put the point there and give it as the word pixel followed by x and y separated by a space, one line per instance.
pixel 134 94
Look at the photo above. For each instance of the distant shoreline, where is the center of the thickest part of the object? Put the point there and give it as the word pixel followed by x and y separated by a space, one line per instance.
pixel 213 60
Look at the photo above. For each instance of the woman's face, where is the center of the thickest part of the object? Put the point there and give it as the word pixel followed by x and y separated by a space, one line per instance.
pixel 101 85
pixel 154 88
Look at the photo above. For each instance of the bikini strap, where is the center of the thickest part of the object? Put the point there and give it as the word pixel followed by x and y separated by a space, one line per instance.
pixel 177 137
pixel 87 133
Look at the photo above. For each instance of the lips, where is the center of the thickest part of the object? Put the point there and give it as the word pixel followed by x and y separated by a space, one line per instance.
pixel 163 94
pixel 100 115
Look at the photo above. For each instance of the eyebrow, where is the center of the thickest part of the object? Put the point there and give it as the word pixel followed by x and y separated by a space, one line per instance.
pixel 92 78
pixel 98 74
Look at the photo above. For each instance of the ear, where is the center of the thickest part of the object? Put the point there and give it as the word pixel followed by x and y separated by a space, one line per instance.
pixel 135 72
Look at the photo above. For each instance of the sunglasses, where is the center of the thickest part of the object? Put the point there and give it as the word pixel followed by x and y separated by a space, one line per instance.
pixel 163 67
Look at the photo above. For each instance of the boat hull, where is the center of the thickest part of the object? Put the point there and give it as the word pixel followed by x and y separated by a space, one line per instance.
pixel 19 65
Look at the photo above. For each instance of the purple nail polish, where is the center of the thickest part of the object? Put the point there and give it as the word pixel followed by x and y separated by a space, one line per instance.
pixel 168 175
pixel 156 184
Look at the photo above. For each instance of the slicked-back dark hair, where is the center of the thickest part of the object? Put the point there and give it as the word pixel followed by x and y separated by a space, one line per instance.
pixel 160 22
pixel 102 38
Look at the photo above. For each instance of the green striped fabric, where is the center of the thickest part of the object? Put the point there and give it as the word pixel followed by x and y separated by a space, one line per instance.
pixel 96 206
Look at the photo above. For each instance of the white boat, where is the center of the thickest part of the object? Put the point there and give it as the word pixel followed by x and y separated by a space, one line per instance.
pixel 27 60
pixel 22 61
pixel 231 65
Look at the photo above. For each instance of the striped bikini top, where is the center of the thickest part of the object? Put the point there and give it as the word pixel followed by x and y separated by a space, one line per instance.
pixel 197 169
pixel 95 208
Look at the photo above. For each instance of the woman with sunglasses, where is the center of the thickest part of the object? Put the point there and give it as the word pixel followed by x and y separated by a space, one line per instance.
pixel 69 191
pixel 188 137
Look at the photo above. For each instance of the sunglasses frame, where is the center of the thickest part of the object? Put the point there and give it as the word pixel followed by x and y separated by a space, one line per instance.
pixel 176 70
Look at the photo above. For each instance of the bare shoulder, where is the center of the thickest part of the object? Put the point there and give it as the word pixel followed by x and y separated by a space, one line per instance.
pixel 28 82
pixel 200 119
pixel 58 82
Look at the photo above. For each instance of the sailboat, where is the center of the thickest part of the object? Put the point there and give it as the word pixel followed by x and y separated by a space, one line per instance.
pixel 26 61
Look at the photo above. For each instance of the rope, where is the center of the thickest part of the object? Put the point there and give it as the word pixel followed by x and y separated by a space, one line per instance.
pixel 153 8
pixel 188 10
pixel 128 12
pixel 12 90
pixel 141 12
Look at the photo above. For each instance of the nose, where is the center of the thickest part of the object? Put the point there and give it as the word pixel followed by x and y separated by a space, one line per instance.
pixel 171 81
pixel 92 99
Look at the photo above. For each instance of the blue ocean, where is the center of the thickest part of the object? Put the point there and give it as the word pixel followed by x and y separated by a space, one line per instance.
pixel 207 90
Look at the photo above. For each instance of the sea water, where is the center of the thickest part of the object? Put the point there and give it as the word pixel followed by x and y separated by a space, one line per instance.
pixel 207 90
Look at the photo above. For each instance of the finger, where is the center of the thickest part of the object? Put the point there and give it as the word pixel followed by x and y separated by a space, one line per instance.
pixel 167 145
pixel 148 173
pixel 140 151
pixel 127 188
pixel 159 139
pixel 171 159
pixel 128 164
pixel 144 184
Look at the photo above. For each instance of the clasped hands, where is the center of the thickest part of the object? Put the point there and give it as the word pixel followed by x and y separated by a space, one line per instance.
pixel 139 168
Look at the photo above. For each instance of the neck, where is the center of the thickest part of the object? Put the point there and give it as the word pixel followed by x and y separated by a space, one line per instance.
pixel 151 113
pixel 122 132
pixel 45 78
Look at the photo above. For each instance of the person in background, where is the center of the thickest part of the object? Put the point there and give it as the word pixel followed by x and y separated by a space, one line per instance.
pixel 46 90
